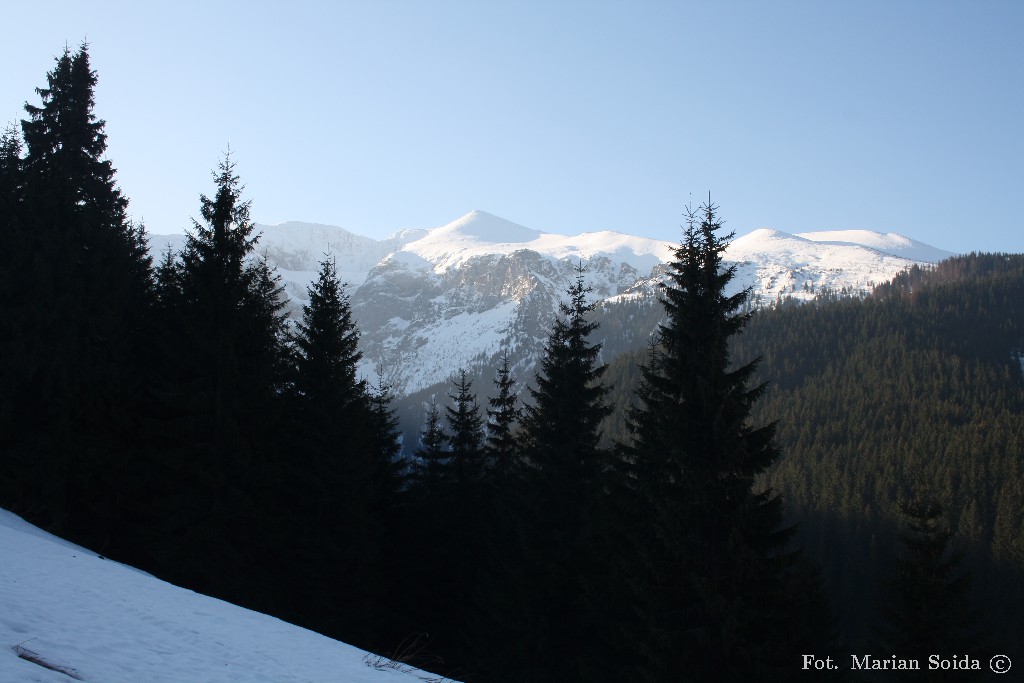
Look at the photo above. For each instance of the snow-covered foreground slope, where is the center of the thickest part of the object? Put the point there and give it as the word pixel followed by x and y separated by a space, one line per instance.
pixel 67 614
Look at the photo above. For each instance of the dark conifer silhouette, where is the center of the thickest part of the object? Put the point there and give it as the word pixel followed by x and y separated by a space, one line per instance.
pixel 562 424
pixel 224 338
pixel 393 469
pixel 928 609
pixel 12 180
pixel 333 509
pixel 12 186
pixel 503 415
pixel 79 287
pixel 431 458
pixel 465 435
pixel 714 602
pixel 234 336
pixel 563 490
pixel 328 344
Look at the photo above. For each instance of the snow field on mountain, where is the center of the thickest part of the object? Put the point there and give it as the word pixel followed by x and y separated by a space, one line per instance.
pixel 67 614
pixel 444 345
pixel 887 243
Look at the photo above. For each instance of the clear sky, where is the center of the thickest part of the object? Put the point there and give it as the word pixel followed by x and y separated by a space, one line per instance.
pixel 563 116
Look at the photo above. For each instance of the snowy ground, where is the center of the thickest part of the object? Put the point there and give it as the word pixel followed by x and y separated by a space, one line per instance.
pixel 66 614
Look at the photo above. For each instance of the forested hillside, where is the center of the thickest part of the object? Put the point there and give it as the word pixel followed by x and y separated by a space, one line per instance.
pixel 918 388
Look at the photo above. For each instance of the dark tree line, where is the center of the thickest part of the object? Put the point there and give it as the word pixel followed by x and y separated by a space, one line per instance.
pixel 172 417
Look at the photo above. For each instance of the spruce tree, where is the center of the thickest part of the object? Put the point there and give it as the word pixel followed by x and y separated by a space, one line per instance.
pixel 332 516
pixel 11 181
pixel 431 458
pixel 712 592
pixel 74 366
pixel 223 336
pixel 564 489
pixel 393 469
pixel 464 528
pixel 503 414
pixel 11 199
pixel 465 436
pixel 928 609
pixel 328 344
pixel 230 320
pixel 562 424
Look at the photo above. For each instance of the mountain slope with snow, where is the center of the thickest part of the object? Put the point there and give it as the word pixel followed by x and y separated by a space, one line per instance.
pixel 68 614
pixel 778 264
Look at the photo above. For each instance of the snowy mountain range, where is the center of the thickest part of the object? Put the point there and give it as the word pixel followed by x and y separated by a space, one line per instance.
pixel 431 301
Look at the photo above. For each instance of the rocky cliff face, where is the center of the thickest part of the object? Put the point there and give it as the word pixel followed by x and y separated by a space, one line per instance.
pixel 419 326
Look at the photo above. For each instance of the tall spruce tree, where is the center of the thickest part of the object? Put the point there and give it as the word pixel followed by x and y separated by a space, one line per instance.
pixel 714 577
pixel 464 516
pixel 565 487
pixel 80 290
pixel 229 319
pixel 334 495
pixel 224 337
pixel 498 600
pixel 389 507
pixel 11 198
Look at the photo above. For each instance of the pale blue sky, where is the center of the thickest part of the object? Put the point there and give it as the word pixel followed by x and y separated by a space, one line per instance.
pixel 562 116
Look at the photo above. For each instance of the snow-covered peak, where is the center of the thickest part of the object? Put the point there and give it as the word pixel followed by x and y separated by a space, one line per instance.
pixel 766 235
pixel 479 233
pixel 767 240
pixel 885 242
pixel 486 228
pixel 848 246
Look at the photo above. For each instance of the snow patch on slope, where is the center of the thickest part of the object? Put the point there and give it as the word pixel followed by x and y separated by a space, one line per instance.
pixel 64 608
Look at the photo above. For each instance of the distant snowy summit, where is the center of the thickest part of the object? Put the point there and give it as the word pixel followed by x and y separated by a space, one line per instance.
pixel 430 301
pixel 778 264
pixel 479 233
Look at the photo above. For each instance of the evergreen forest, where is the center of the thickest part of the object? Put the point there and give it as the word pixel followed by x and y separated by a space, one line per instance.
pixel 749 487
